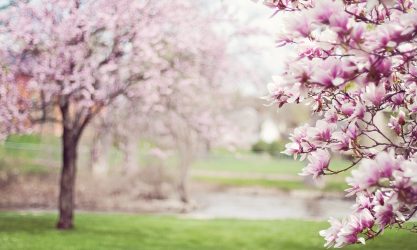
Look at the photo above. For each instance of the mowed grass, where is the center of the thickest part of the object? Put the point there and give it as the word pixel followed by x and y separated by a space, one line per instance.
pixel 111 231
pixel 35 154
pixel 285 185
pixel 247 163
pixel 256 163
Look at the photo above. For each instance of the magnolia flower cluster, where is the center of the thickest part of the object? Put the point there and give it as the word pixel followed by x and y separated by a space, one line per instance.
pixel 386 194
pixel 356 67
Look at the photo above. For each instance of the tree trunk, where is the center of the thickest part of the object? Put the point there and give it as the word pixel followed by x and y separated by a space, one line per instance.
pixel 99 152
pixel 130 156
pixel 185 162
pixel 183 190
pixel 67 182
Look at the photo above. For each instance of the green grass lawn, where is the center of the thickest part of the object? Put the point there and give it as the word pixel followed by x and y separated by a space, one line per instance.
pixel 286 185
pixel 255 163
pixel 246 162
pixel 30 149
pixel 111 231
pixel 34 154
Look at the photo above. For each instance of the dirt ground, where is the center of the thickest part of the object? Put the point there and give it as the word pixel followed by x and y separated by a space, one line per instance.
pixel 135 195
pixel 97 194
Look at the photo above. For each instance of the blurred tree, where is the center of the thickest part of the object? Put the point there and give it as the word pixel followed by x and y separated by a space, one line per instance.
pixel 182 116
pixel 79 56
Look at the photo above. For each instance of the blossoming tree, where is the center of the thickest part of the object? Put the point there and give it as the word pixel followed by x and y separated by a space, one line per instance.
pixel 357 63
pixel 181 116
pixel 185 120
pixel 79 56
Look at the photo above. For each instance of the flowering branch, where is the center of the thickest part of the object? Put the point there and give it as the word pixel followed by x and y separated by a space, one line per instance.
pixel 357 64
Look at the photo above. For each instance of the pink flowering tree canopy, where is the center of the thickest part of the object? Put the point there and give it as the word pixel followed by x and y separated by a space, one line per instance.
pixel 356 65
pixel 76 57
pixel 13 105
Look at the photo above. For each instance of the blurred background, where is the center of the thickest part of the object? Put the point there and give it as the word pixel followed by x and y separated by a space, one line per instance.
pixel 161 163
pixel 154 159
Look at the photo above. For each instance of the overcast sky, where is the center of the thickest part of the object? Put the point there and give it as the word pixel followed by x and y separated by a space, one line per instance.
pixel 268 61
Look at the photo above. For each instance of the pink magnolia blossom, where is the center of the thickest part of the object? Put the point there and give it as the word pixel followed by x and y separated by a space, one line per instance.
pixel 352 227
pixel 375 94
pixel 321 132
pixel 363 201
pixel 398 99
pixel 359 112
pixel 331 234
pixel 388 212
pixel 342 141
pixel 318 162
pixel 347 108
pixel 332 72
pixel 370 171
pixel 396 123
pixel 331 116
pixel 303 25
pixel 325 10
pixel 348 231
pixel 339 22
pixel 352 131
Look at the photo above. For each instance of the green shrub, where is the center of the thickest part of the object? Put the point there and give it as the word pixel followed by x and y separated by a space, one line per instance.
pixel 260 147
pixel 275 148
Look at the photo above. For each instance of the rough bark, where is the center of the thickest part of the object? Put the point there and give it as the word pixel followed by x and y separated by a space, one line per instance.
pixel 67 182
